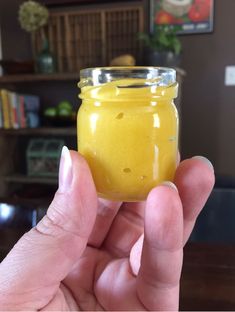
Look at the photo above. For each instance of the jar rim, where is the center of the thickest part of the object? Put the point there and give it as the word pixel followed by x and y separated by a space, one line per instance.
pixel 160 76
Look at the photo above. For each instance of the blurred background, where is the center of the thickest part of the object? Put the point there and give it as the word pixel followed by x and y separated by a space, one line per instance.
pixel 44 44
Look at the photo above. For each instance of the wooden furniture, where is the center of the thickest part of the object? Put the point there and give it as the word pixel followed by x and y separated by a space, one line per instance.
pixel 11 79
pixel 13 142
pixel 93 36
pixel 208 278
pixel 77 2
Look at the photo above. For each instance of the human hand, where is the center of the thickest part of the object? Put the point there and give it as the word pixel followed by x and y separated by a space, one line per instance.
pixel 114 257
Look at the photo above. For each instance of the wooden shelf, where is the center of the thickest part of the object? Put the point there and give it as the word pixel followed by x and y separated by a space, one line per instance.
pixel 31 203
pixel 39 77
pixel 48 131
pixel 20 178
pixel 21 78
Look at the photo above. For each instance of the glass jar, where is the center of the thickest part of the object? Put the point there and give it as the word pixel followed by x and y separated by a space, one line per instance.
pixel 127 129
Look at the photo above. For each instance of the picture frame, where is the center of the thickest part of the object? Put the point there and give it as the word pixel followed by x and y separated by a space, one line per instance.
pixel 186 16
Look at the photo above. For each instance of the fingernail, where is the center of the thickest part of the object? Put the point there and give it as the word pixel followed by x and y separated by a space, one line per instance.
pixel 205 161
pixel 170 184
pixel 65 171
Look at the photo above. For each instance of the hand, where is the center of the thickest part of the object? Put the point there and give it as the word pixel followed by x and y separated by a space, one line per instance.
pixel 89 254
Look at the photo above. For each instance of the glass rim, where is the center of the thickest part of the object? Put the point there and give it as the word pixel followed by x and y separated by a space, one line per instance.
pixel 153 75
pixel 86 71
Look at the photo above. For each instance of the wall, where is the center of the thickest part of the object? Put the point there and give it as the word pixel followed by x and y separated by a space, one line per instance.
pixel 16 42
pixel 208 108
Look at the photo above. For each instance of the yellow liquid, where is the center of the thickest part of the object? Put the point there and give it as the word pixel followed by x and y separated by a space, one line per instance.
pixel 129 137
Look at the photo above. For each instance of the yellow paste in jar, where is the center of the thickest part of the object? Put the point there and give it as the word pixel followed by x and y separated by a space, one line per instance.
pixel 129 137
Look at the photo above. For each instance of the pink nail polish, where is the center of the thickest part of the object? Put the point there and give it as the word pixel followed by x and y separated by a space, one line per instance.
pixel 65 171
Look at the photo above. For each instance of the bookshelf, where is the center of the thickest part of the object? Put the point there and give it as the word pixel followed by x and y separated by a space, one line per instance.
pixel 13 142
pixel 44 131
pixel 9 79
pixel 30 203
pixel 20 178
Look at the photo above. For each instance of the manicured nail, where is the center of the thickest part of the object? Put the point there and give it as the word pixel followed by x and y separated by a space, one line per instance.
pixel 170 184
pixel 65 171
pixel 205 161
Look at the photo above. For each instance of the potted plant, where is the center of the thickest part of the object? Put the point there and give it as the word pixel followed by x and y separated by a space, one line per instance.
pixel 163 47
pixel 33 17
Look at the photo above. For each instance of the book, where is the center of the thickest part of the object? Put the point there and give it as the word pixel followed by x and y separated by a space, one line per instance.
pixel 14 116
pixel 32 106
pixel 18 110
pixel 1 116
pixel 5 109
pixel 21 112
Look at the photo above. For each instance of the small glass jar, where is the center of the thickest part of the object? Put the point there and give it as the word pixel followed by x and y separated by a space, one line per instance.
pixel 127 129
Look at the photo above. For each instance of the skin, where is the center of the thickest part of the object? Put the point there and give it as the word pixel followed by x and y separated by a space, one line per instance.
pixel 93 254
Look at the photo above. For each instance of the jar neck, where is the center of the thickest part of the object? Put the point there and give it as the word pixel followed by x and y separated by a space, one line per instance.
pixel 160 76
pixel 133 83
pixel 131 90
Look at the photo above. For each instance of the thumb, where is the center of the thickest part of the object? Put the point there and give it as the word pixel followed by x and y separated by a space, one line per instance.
pixel 46 254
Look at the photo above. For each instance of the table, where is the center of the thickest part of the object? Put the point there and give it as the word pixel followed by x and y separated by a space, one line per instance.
pixel 208 278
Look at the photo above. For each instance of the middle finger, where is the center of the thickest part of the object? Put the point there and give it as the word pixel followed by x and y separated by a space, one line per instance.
pixel 126 229
pixel 106 212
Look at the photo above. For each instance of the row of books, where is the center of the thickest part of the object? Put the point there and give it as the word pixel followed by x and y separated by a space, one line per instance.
pixel 18 110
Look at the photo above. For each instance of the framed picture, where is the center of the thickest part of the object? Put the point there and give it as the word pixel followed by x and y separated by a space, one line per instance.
pixel 187 16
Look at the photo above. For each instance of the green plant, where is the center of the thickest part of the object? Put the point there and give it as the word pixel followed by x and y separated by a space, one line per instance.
pixel 163 39
pixel 32 16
